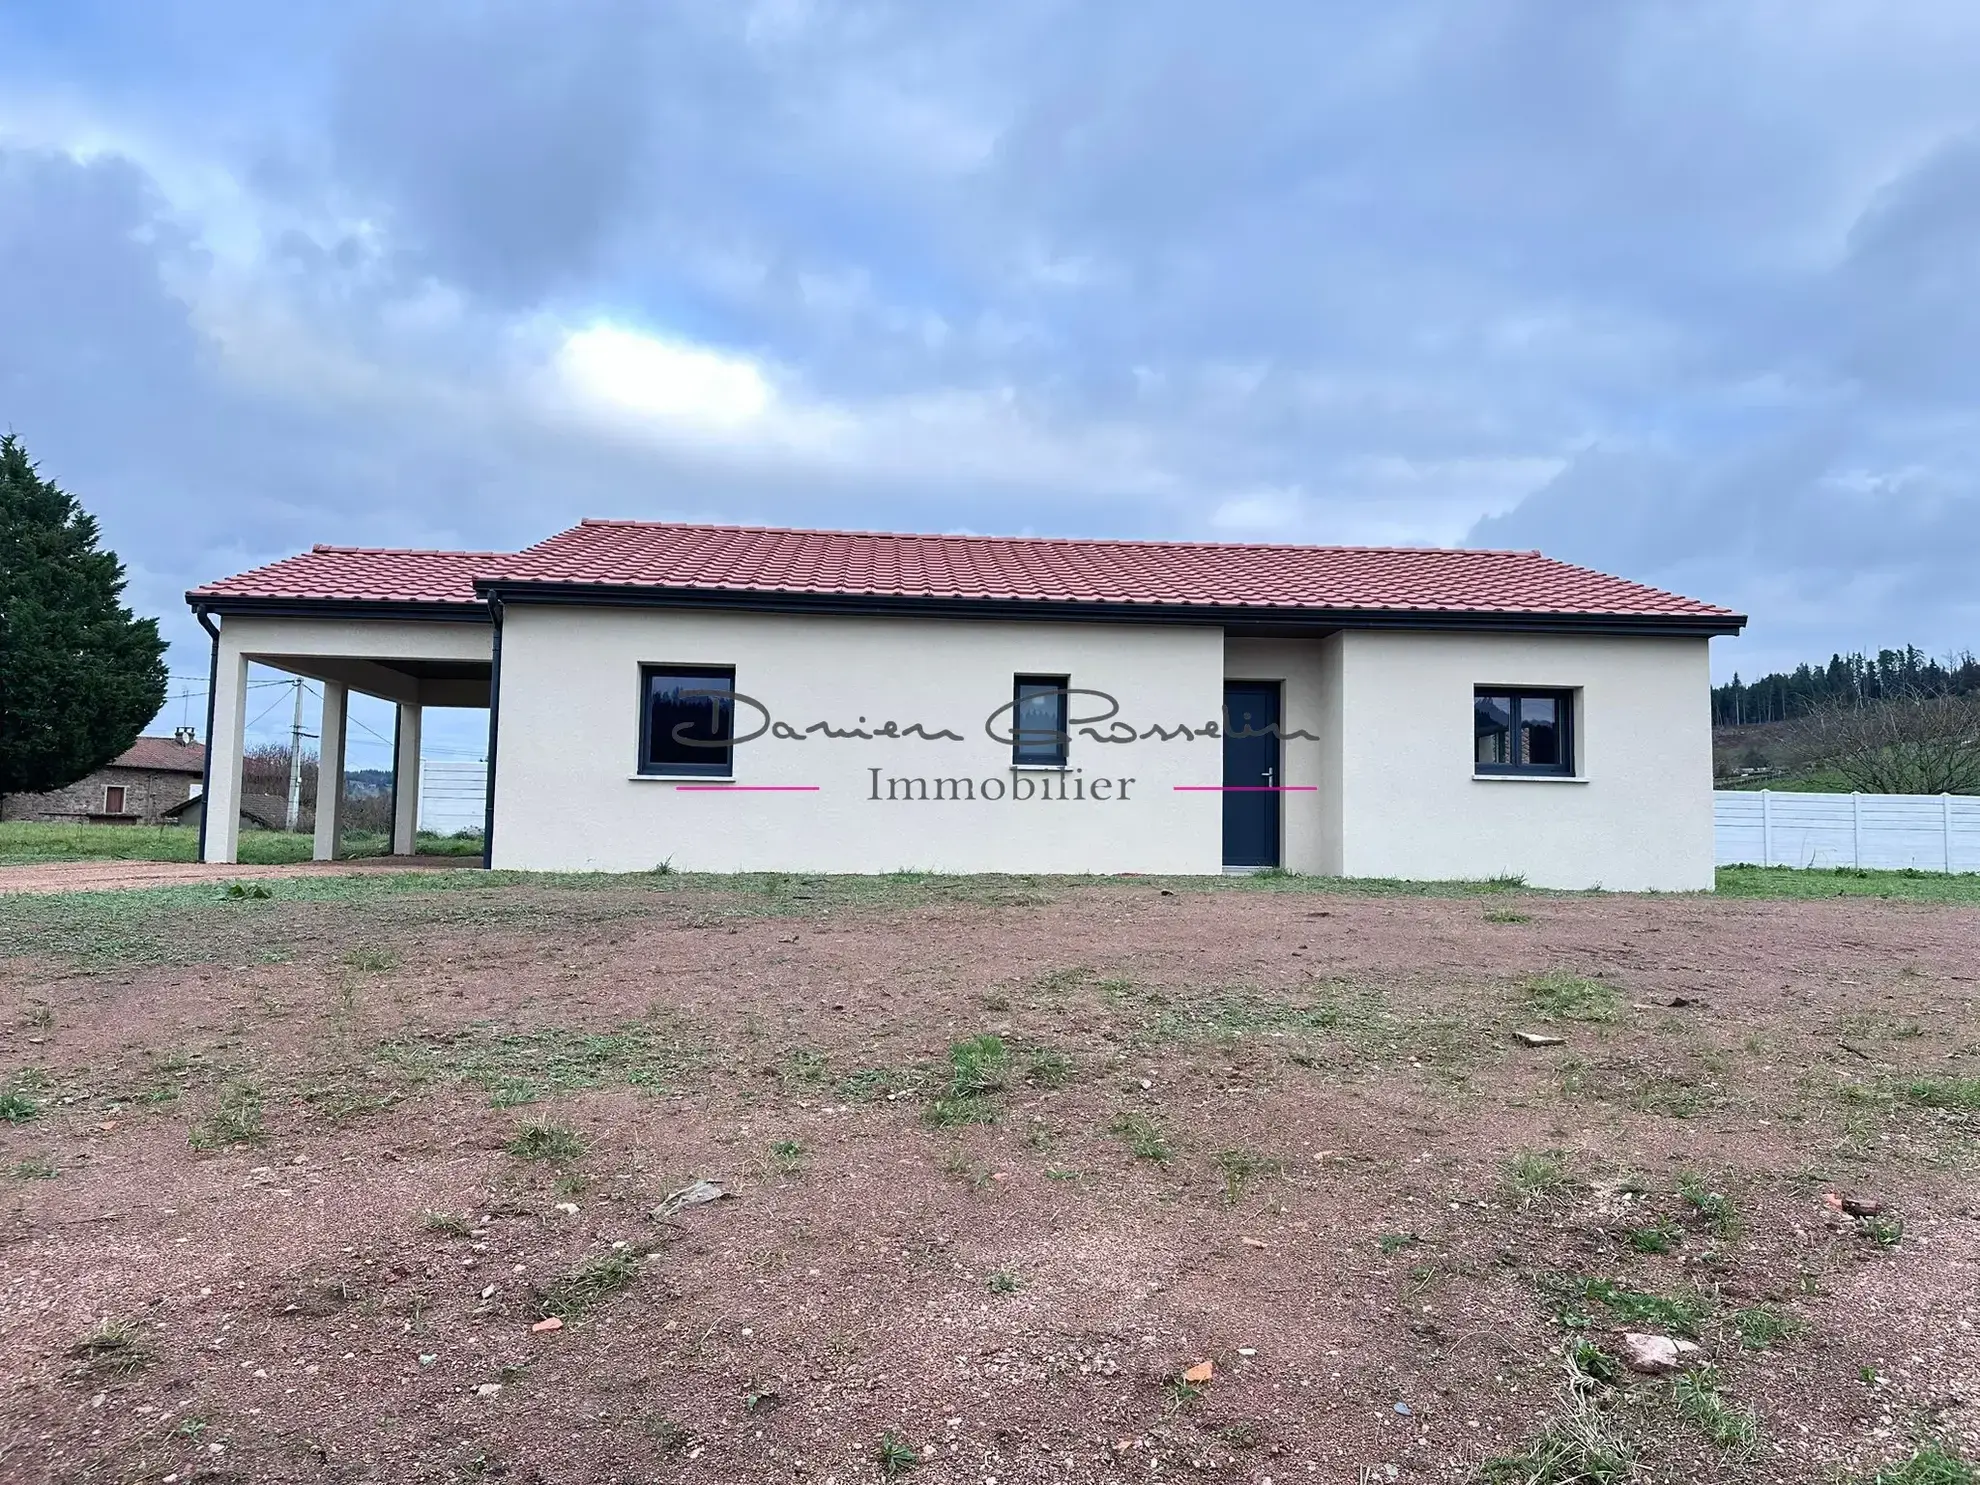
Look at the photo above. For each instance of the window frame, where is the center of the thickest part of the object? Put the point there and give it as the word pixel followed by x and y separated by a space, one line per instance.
pixel 1060 749
pixel 1563 698
pixel 724 677
pixel 122 791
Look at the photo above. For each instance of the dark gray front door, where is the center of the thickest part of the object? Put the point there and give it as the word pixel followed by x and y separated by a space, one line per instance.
pixel 1251 773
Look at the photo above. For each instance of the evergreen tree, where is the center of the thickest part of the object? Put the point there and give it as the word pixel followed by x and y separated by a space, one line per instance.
pixel 80 674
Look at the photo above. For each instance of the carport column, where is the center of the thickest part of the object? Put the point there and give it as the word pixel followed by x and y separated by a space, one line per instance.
pixel 330 770
pixel 405 782
pixel 221 809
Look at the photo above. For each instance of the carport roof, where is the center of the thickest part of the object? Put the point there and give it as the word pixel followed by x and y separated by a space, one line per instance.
pixel 355 575
pixel 883 572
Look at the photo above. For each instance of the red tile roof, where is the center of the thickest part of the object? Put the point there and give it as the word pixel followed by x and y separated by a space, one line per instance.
pixel 747 559
pixel 163 755
pixel 359 574
pixel 1188 574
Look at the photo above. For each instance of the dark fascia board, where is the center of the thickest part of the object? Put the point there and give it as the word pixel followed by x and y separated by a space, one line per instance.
pixel 338 608
pixel 1232 618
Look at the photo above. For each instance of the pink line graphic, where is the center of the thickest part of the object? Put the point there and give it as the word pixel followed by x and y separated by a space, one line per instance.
pixel 1245 788
pixel 746 788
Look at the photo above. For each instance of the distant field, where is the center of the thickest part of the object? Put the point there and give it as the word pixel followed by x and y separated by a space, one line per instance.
pixel 27 841
pixel 1847 881
pixel 1817 781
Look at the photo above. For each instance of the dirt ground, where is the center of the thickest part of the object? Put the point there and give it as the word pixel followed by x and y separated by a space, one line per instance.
pixel 296 1184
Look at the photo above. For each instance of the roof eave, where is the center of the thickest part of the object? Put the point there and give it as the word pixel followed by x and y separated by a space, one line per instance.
pixel 1282 618
pixel 265 606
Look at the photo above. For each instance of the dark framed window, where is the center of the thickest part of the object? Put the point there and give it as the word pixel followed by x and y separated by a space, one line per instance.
pixel 113 799
pixel 1038 729
pixel 687 720
pixel 1522 732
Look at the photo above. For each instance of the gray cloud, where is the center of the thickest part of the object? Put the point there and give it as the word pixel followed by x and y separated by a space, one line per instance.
pixel 504 142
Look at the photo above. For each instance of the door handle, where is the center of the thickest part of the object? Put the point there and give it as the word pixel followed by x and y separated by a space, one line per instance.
pixel 1270 775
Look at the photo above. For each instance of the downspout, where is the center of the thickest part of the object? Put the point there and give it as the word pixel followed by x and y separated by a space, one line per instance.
pixel 494 727
pixel 212 685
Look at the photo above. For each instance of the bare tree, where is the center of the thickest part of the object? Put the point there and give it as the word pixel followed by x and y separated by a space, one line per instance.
pixel 1911 743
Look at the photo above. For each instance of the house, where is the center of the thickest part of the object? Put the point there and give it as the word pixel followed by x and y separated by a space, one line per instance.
pixel 737 699
pixel 140 786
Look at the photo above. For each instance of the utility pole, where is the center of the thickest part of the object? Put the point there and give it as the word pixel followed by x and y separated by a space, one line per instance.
pixel 295 762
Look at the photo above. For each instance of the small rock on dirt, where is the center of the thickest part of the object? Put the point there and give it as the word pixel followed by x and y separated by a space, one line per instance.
pixel 553 1323
pixel 1203 1371
pixel 694 1195
pixel 1654 1355
pixel 1538 1039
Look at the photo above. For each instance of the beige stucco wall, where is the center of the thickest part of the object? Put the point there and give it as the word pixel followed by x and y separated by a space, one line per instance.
pixel 566 752
pixel 1637 817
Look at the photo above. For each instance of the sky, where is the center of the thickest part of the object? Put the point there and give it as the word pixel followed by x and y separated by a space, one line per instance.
pixel 1684 291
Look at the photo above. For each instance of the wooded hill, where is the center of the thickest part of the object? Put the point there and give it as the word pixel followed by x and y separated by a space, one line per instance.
pixel 1787 695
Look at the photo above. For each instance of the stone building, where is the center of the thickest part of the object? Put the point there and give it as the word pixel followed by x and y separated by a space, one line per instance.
pixel 137 787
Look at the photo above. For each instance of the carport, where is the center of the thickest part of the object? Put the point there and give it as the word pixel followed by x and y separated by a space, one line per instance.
pixel 402 626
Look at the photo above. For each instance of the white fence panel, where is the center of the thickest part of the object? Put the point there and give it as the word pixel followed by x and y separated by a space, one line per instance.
pixel 1927 832
pixel 453 796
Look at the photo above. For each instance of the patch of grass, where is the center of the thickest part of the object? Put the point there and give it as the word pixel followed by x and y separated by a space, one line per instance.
pixel 1391 1243
pixel 978 1067
pixel 1885 1232
pixel 369 960
pixel 33 1168
pixel 1538 1175
pixel 1597 1365
pixel 1785 881
pixel 1638 1307
pixel 17 1108
pixel 114 1349
pixel 1183 1393
pixel 1003 1282
pixel 588 1284
pixel 1712 1207
pixel 803 1067
pixel 521 1067
pixel 1143 1137
pixel 1506 915
pixel 1240 1167
pixel 447 1224
pixel 1945 1093
pixel 1046 1068
pixel 1930 1464
pixel 895 1455
pixel 1579 1445
pixel 786 1157
pixel 1656 1237
pixel 235 1120
pixel 544 1142
pixel 1729 1426
pixel 980 1063
pixel 1760 1327
pixel 1561 996
pixel 1240 1014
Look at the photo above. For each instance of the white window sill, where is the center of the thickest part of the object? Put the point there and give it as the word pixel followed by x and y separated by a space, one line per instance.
pixel 1529 778
pixel 678 778
pixel 1041 768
